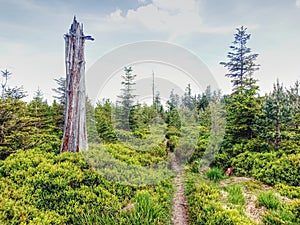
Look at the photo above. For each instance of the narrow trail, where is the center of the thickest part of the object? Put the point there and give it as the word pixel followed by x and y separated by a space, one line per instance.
pixel 180 211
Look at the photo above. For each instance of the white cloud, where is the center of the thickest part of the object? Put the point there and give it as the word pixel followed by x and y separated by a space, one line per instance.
pixel 177 5
pixel 298 3
pixel 176 17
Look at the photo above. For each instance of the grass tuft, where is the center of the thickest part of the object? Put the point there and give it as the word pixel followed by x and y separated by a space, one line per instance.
pixel 269 200
pixel 235 195
pixel 215 174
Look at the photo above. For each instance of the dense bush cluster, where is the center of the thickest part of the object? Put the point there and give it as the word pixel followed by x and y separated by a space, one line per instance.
pixel 44 188
pixel 270 168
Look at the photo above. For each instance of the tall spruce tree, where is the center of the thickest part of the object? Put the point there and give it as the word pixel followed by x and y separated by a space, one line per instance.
pixel 127 98
pixel 242 106
pixel 241 64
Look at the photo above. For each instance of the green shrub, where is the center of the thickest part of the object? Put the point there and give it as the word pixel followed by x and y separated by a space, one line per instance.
pixel 269 200
pixel 44 188
pixel 257 145
pixel 267 167
pixel 288 191
pixel 215 174
pixel 290 146
pixel 287 214
pixel 222 160
pixel 195 166
pixel 172 143
pixel 172 131
pixel 133 157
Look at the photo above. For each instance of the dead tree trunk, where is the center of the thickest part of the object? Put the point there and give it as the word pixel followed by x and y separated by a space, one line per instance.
pixel 75 133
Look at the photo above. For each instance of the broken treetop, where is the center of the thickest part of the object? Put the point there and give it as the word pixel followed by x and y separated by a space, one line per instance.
pixel 75 27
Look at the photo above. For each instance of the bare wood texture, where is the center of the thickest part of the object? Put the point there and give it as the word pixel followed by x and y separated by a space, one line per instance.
pixel 75 133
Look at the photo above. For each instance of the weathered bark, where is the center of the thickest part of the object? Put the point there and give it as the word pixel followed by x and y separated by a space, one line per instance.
pixel 75 133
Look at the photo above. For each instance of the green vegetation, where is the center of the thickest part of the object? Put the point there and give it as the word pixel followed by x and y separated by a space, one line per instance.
pixel 279 217
pixel 205 206
pixel 269 200
pixel 215 174
pixel 235 195
pixel 44 188
pixel 125 177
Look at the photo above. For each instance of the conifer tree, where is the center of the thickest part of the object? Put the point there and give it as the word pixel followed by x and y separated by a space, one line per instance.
pixel 44 132
pixel 172 115
pixel 91 122
pixel 16 126
pixel 40 112
pixel 5 76
pixel 277 112
pixel 242 106
pixel 103 118
pixel 127 97
pixel 294 94
pixel 59 104
pixel 158 106
pixel 60 90
pixel 187 99
pixel 241 64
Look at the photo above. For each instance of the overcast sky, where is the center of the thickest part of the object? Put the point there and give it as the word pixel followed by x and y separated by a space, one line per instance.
pixel 32 44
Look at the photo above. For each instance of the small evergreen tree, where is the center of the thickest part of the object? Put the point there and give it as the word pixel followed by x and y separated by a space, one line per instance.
pixel 158 107
pixel 60 90
pixel 44 132
pixel 187 99
pixel 127 98
pixel 294 94
pixel 16 127
pixel 5 76
pixel 277 111
pixel 103 118
pixel 91 122
pixel 172 115
pixel 59 104
pixel 40 112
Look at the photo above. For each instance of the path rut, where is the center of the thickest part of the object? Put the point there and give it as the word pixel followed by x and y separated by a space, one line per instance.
pixel 180 211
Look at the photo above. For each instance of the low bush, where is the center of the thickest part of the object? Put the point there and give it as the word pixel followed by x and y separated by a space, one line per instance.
pixel 269 168
pixel 286 214
pixel 133 157
pixel 172 131
pixel 37 187
pixel 172 143
pixel 288 191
